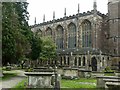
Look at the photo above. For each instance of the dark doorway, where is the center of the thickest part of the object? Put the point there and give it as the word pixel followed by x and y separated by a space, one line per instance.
pixel 75 62
pixel 68 61
pixel 83 61
pixel 94 64
pixel 79 61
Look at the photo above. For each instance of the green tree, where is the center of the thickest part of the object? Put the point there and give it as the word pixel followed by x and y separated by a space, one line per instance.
pixel 8 40
pixel 16 34
pixel 24 47
pixel 35 47
pixel 48 49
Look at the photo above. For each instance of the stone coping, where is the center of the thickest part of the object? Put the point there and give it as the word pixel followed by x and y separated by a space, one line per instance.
pixel 108 72
pixel 43 70
pixel 96 72
pixel 40 68
pixel 39 73
pixel 108 77
pixel 111 83
pixel 82 70
pixel 69 68
pixel 113 80
pixel 70 17
pixel 117 72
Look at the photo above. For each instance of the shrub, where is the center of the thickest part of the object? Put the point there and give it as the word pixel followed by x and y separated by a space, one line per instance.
pixel 108 69
pixel 29 70
pixel 7 68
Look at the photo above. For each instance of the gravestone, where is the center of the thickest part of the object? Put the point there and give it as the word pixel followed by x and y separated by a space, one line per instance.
pixel 41 77
pixel 94 74
pixel 108 81
pixel 84 73
pixel 70 73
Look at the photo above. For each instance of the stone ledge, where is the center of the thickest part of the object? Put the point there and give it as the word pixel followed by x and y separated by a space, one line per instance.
pixel 84 70
pixel 69 68
pixel 111 77
pixel 113 80
pixel 39 73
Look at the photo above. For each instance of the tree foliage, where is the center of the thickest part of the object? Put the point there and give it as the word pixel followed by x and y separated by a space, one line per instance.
pixel 48 49
pixel 16 34
pixel 35 47
pixel 18 41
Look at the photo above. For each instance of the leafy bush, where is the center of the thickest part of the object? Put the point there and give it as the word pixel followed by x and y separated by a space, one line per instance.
pixel 108 69
pixel 7 68
pixel 29 70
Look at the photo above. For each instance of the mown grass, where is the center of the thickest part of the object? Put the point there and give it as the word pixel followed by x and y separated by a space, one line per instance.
pixel 80 83
pixel 109 74
pixel 22 84
pixel 67 83
pixel 8 76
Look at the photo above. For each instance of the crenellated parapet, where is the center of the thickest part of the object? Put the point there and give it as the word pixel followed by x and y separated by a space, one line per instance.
pixel 88 13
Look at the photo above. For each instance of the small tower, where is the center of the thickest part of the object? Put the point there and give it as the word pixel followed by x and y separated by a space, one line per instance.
pixel 53 15
pixel 95 25
pixel 35 21
pixel 78 9
pixel 95 7
pixel 114 26
pixel 44 18
pixel 65 12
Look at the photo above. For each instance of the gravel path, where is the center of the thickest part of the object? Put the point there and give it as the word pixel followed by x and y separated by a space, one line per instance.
pixel 13 81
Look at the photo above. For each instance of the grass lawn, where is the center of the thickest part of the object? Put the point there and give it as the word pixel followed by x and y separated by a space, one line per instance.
pixel 80 83
pixel 21 84
pixel 8 75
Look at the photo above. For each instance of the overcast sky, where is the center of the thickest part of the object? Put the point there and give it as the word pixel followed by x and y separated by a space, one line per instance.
pixel 37 8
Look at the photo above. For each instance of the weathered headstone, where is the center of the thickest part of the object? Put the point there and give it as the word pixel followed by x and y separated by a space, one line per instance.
pixel 70 73
pixel 108 81
pixel 41 77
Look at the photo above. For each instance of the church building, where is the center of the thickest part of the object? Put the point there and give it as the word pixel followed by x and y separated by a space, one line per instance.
pixel 88 40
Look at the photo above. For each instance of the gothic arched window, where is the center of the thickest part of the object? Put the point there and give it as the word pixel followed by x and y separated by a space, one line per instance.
pixel 71 35
pixel 86 34
pixel 79 61
pixel 49 32
pixel 59 37
pixel 39 32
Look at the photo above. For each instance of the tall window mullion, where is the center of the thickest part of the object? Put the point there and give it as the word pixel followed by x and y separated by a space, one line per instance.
pixel 49 32
pixel 60 34
pixel 72 35
pixel 86 34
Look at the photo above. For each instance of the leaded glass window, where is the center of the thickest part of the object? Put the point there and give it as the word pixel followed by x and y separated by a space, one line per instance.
pixel 39 32
pixel 71 35
pixel 86 34
pixel 49 32
pixel 59 37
